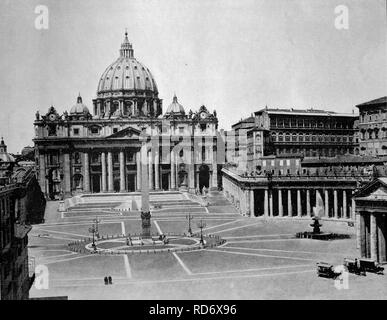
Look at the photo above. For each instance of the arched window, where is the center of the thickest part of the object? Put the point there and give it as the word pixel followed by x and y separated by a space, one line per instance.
pixel 116 83
pixel 126 82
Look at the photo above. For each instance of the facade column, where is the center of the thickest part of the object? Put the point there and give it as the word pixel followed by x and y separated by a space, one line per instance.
pixel 373 237
pixel 150 165
pixel 308 213
pixel 335 204
pixel 290 207
pixel 110 172
pixel 173 171
pixel 326 205
pixel 214 171
pixel 344 204
pixel 138 167
pixel 299 208
pixel 252 208
pixel 266 203
pixel 157 169
pixel 67 175
pixel 122 171
pixel 42 173
pixel 86 178
pixel 103 165
pixel 191 173
pixel 280 206
pixel 271 213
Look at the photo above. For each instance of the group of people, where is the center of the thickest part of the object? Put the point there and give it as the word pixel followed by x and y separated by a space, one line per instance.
pixel 108 280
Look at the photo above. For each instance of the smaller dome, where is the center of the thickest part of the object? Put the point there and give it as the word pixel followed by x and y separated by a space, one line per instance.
pixel 175 108
pixel 4 155
pixel 79 108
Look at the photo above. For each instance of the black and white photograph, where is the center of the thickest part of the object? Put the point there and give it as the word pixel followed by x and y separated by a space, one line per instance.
pixel 193 150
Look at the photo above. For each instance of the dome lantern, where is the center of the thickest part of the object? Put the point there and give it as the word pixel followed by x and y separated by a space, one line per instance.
pixel 126 50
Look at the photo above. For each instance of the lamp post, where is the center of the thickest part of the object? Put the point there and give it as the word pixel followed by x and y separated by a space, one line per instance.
pixel 96 221
pixel 201 225
pixel 92 230
pixel 189 217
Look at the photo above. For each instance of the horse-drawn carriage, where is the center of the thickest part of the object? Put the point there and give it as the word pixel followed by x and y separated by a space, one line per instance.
pixel 326 270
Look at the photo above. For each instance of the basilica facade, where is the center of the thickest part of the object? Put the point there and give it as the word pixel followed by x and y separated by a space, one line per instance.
pixel 99 151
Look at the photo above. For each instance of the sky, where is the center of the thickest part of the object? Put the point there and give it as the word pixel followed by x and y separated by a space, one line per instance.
pixel 234 57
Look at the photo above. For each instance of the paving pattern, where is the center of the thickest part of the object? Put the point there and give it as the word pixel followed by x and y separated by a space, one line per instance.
pixel 260 260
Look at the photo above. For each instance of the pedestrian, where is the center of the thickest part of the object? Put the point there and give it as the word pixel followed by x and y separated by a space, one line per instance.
pixel 106 280
pixel 110 280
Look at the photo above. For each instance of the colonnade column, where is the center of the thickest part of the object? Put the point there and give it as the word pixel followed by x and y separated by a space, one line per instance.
pixel 280 206
pixel 138 165
pixel 122 171
pixel 326 205
pixel 103 164
pixel 299 209
pixel 308 203
pixel 271 213
pixel 344 204
pixel 290 208
pixel 335 204
pixel 266 203
pixel 373 237
pixel 252 209
pixel 110 172
pixel 86 179
pixel 353 209
pixel 246 194
pixel 157 170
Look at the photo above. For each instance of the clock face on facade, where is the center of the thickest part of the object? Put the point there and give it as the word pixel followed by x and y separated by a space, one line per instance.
pixel 52 117
pixel 203 115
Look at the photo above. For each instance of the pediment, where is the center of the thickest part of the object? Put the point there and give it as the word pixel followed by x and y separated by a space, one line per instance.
pixel 125 133
pixel 376 189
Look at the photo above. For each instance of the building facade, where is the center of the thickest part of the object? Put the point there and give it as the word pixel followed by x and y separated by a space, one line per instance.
pixel 373 127
pixel 371 217
pixel 16 268
pixel 78 152
pixel 309 133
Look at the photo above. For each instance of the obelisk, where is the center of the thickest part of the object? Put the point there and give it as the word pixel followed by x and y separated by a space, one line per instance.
pixel 145 212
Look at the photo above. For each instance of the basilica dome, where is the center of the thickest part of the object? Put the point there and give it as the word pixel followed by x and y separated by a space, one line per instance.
pixel 126 74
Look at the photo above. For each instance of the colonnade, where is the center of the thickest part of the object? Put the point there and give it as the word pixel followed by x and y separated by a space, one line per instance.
pixel 290 202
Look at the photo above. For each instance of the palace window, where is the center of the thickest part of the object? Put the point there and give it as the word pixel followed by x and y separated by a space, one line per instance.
pixel 301 138
pixel 76 131
pixel 287 137
pixel 94 130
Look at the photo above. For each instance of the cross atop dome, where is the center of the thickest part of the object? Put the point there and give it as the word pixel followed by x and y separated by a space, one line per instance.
pixel 126 47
